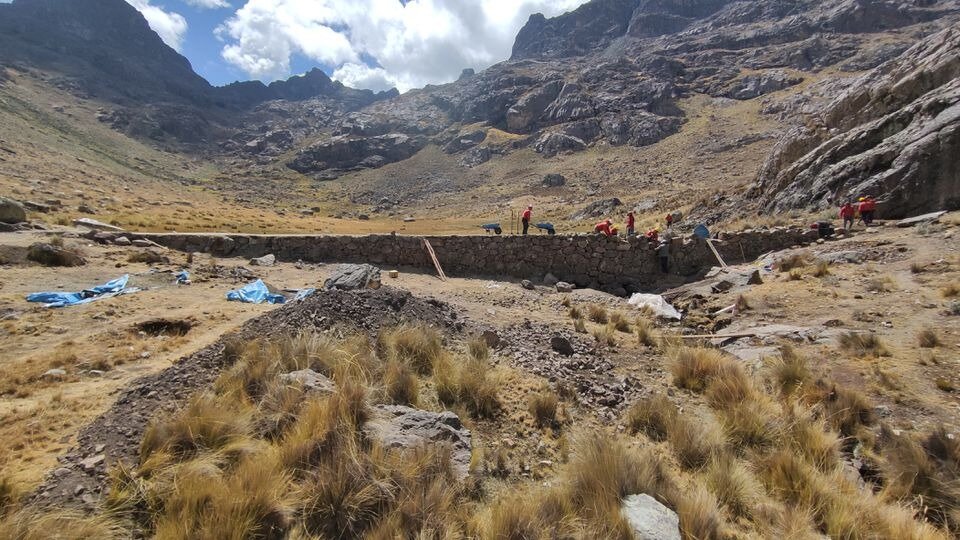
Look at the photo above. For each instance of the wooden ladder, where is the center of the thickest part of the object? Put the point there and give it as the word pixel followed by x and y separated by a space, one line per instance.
pixel 433 256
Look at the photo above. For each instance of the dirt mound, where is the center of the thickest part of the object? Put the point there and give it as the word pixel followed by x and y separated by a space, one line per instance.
pixel 115 435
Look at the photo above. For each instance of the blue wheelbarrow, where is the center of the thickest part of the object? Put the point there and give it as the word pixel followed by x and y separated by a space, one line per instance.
pixel 495 227
pixel 548 227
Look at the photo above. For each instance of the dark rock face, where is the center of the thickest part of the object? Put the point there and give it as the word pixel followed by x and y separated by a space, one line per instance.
pixel 597 209
pixel 345 153
pixel 752 86
pixel 591 26
pixel 895 134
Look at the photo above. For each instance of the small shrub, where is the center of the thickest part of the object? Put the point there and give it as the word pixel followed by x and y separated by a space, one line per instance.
pixel 400 384
pixel 734 485
pixel 543 408
pixel 619 322
pixel 597 314
pixel 605 335
pixel 950 291
pixel 927 338
pixel 944 384
pixel 645 329
pixel 917 268
pixel 575 313
pixel 822 269
pixel 863 344
pixel 580 326
pixel 565 302
pixel 693 368
pixel 478 349
pixel 653 416
pixel 699 515
pixel 418 345
pixel 790 371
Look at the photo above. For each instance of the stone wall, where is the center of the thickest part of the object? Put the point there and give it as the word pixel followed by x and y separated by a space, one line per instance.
pixel 612 264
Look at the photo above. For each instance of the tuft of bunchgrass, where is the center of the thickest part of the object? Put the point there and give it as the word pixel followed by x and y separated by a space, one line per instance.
pixel 605 335
pixel 700 515
pixel 205 424
pixel 862 344
pixel 575 313
pixel 822 269
pixel 543 407
pixel 927 338
pixel 597 314
pixel 951 290
pixel 400 384
pixel 419 345
pixel 694 367
pixel 734 485
pixel 478 349
pixel 653 415
pixel 645 332
pixel 790 370
pixel 619 322
pixel 580 326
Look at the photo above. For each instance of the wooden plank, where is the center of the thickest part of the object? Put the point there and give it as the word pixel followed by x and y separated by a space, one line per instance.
pixel 433 256
pixel 717 336
pixel 715 252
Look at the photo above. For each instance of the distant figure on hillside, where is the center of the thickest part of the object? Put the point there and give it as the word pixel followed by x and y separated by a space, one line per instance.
pixel 525 218
pixel 663 252
pixel 631 222
pixel 847 214
pixel 867 208
pixel 604 228
pixel 669 221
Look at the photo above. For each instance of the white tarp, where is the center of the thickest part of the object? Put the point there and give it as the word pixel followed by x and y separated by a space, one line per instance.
pixel 656 302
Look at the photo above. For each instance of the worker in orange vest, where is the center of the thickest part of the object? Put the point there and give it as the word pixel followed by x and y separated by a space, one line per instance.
pixel 631 222
pixel 867 207
pixel 847 214
pixel 603 228
pixel 525 218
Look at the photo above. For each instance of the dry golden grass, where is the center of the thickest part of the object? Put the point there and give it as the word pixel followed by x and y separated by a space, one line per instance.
pixel 917 268
pixel 822 269
pixel 32 524
pixel 9 494
pixel 653 415
pixel 469 383
pixel 793 261
pixel 605 335
pixel 927 473
pixel 694 367
pixel 700 516
pixel 566 302
pixel 619 322
pixel 795 275
pixel 204 424
pixel 944 384
pixel 950 291
pixel 580 326
pixel 478 349
pixel 575 313
pixel 790 370
pixel 597 314
pixel 645 332
pixel 543 407
pixel 927 338
pixel 695 441
pixel 418 345
pixel 863 344
pixel 734 486
pixel 400 384
pixel 844 409
pixel 880 284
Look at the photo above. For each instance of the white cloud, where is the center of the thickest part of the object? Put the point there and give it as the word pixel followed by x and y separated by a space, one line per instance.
pixel 422 42
pixel 209 4
pixel 169 25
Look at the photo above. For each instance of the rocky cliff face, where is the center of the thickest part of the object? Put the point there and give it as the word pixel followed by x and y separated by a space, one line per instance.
pixel 895 135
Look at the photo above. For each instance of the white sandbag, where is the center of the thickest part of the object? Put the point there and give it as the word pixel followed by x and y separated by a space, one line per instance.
pixel 660 307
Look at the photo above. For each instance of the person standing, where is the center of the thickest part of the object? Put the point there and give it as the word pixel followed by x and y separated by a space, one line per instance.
pixel 846 214
pixel 525 218
pixel 669 222
pixel 867 208
pixel 631 222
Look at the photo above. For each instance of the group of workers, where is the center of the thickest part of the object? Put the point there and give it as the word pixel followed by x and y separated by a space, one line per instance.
pixel 661 245
pixel 866 207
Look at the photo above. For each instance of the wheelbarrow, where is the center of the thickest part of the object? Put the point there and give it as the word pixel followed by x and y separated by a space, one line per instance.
pixel 495 227
pixel 548 227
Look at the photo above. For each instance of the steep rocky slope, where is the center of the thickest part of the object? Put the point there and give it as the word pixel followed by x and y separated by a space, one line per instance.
pixel 895 134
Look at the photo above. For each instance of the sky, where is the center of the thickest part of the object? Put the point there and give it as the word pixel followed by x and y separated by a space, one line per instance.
pixel 375 44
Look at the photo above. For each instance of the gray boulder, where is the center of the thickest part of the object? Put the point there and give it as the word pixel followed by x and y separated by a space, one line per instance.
pixel 554 180
pixel 266 260
pixel 561 345
pixel 11 211
pixel 397 426
pixel 552 143
pixel 597 209
pixel 752 86
pixel 349 277
pixel 50 255
pixel 649 519
pixel 564 287
pixel 309 380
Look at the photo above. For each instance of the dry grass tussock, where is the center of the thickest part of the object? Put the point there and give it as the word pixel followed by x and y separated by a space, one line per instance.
pixel 597 314
pixel 580 326
pixel 619 322
pixel 822 269
pixel 645 332
pixel 951 290
pixel 863 344
pixel 417 345
pixel 543 407
pixel 790 370
pixel 927 338
pixel 793 261
pixel 694 367
pixel 468 382
pixel 575 313
pixel 605 335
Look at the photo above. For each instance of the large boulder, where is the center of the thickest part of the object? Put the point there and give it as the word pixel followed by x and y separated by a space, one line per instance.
pixel 552 143
pixel 51 255
pixel 649 519
pixel 349 277
pixel 895 134
pixel 11 211
pixel 397 426
pixel 752 86
pixel 344 153
pixel 528 109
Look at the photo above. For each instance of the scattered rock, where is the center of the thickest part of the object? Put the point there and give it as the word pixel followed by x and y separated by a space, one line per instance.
pixel 50 255
pixel 266 260
pixel 925 218
pixel 309 380
pixel 94 224
pixel 561 345
pixel 91 463
pixel 550 280
pixel 564 287
pixel 122 241
pixel 86 209
pixel 650 519
pixel 597 209
pixel 55 374
pixel 491 338
pixel 37 207
pixel 527 284
pixel 554 180
pixel 397 426
pixel 11 211
pixel 354 276
pixel 147 256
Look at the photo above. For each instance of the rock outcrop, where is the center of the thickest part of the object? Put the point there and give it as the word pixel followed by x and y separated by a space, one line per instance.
pixel 344 153
pixel 895 135
pixel 12 211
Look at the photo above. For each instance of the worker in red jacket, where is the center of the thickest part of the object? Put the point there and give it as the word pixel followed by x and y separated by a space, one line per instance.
pixel 847 213
pixel 867 208
pixel 631 222
pixel 603 228
pixel 525 218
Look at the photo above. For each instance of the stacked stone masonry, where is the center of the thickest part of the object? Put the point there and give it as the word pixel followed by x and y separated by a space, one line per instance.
pixel 615 265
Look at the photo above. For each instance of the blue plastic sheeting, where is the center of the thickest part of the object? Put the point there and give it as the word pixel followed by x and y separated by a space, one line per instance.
pixel 183 277
pixel 303 293
pixel 62 299
pixel 701 231
pixel 255 293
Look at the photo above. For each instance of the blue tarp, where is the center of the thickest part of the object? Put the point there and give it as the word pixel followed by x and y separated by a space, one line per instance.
pixel 303 293
pixel 183 277
pixel 61 299
pixel 255 293
pixel 701 231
